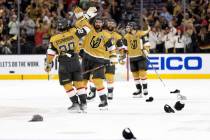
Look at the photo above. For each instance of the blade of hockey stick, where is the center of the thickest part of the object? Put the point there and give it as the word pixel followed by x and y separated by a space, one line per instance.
pixel 175 91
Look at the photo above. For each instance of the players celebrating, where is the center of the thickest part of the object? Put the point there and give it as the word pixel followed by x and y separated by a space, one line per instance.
pixel 100 42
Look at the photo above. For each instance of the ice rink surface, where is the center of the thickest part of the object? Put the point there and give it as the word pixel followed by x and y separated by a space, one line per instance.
pixel 20 100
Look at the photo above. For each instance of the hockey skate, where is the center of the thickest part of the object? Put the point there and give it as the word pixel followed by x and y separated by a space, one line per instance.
pixel 91 95
pixel 83 108
pixel 74 108
pixel 110 96
pixel 103 105
pixel 137 94
pixel 145 92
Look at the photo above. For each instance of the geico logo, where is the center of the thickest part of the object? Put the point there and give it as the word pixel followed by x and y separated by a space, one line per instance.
pixel 176 63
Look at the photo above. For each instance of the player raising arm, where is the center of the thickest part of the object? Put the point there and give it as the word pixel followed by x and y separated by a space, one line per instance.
pixel 95 46
pixel 136 46
pixel 64 44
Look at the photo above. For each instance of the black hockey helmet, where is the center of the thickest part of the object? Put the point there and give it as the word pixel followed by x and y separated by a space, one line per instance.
pixel 36 118
pixel 127 134
pixel 179 106
pixel 168 109
pixel 62 24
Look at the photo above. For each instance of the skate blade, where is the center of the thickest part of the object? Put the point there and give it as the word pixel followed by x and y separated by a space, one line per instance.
pixel 74 111
pixel 137 96
pixel 89 101
pixel 103 108
pixel 83 111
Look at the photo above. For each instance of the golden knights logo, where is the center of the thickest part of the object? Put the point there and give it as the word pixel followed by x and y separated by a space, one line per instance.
pixel 133 44
pixel 95 42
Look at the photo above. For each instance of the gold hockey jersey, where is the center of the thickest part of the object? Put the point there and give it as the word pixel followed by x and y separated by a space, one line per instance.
pixel 116 39
pixel 65 42
pixel 135 43
pixel 82 22
pixel 98 44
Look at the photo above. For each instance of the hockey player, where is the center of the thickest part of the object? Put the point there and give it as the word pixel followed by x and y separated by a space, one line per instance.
pixel 110 26
pixel 110 69
pixel 137 47
pixel 95 45
pixel 64 44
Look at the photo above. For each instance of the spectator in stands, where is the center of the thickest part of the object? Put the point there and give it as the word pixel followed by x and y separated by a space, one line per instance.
pixel 204 39
pixel 39 35
pixel 166 14
pixel 29 25
pixel 13 26
pixel 23 42
pixel 192 19
pixel 167 38
pixel 153 37
pixel 180 41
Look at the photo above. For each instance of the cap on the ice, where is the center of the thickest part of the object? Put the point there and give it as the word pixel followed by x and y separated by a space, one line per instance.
pixel 36 118
pixel 179 106
pixel 127 134
pixel 150 99
pixel 168 109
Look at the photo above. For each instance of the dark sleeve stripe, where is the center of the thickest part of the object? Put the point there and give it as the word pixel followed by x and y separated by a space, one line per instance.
pixel 80 33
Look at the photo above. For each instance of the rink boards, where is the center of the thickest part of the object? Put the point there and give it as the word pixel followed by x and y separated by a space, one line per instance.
pixel 168 66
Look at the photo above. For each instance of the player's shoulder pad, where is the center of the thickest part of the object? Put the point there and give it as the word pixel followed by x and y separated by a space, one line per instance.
pixel 73 29
pixel 106 34
pixel 126 35
pixel 53 38
pixel 117 35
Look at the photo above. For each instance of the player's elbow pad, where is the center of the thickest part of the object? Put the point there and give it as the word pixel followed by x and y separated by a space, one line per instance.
pixel 82 32
pixel 51 52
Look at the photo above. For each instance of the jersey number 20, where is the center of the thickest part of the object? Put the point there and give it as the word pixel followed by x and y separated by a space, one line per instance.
pixel 65 48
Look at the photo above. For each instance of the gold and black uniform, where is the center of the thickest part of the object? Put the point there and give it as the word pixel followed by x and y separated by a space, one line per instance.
pixel 66 45
pixel 96 45
pixel 134 46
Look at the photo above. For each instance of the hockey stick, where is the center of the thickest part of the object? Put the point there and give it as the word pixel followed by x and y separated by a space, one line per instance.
pixel 176 91
pixel 94 69
pixel 127 67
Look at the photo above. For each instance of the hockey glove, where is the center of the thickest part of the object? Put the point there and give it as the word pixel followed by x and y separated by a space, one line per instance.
pixel 78 12
pixel 48 66
pixel 91 12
